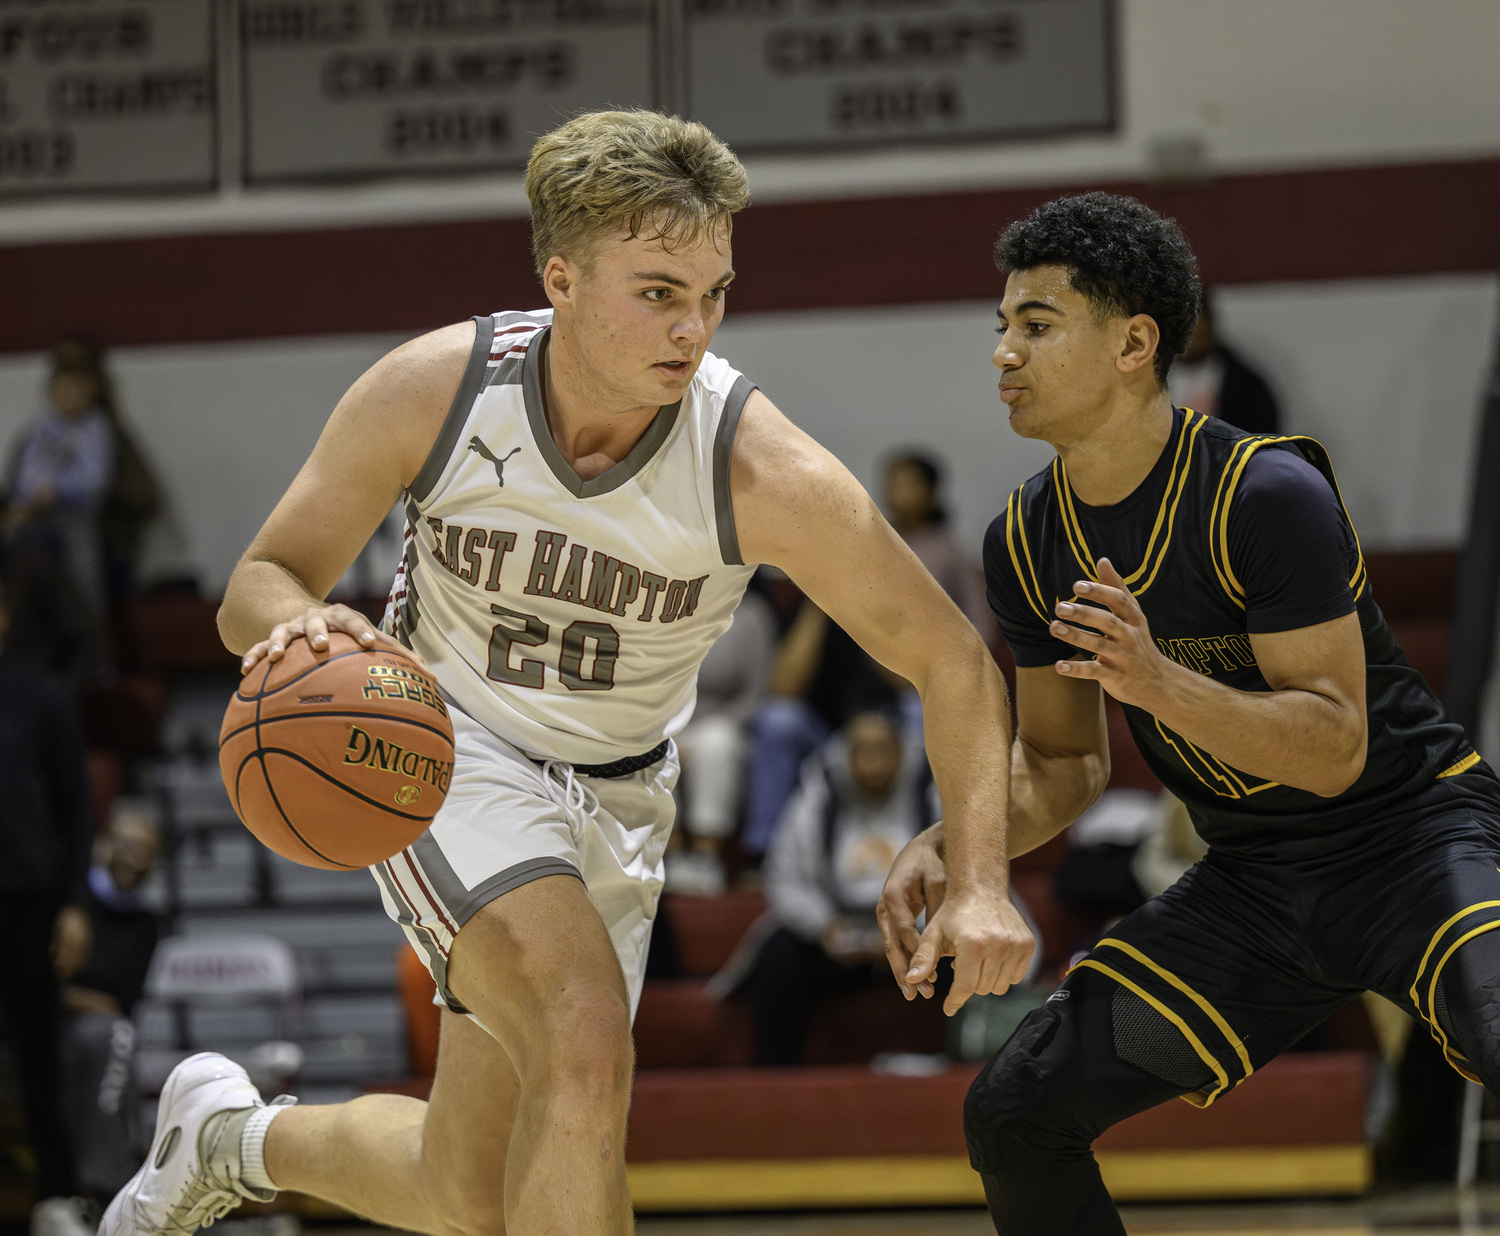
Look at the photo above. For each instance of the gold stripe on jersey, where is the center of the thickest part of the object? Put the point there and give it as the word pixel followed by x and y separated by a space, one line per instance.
pixel 1229 480
pixel 1233 783
pixel 1436 937
pixel 1214 1015
pixel 1198 422
pixel 1015 531
pixel 1166 513
pixel 1461 766
pixel 1196 1043
pixel 1427 1009
pixel 1227 792
pixel 1064 494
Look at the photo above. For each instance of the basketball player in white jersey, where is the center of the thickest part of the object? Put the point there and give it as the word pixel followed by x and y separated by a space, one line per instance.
pixel 584 488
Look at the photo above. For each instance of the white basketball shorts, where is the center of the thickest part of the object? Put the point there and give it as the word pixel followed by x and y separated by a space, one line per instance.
pixel 509 820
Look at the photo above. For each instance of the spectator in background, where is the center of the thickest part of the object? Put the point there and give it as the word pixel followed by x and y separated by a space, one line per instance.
pixel 61 474
pixel 1212 378
pixel 913 500
pixel 99 1040
pixel 46 835
pixel 819 679
pixel 79 484
pixel 859 801
pixel 134 496
pixel 713 746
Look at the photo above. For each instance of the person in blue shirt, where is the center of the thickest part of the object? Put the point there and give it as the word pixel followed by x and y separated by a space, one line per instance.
pixel 62 472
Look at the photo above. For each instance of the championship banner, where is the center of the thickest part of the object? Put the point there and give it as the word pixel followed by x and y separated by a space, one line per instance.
pixel 788 74
pixel 352 88
pixel 106 95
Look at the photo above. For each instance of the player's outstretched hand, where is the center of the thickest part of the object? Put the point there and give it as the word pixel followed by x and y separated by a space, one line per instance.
pixel 314 626
pixel 989 941
pixel 1112 626
pixel 917 882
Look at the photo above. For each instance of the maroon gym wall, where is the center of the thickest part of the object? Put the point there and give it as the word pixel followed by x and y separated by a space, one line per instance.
pixel 1348 223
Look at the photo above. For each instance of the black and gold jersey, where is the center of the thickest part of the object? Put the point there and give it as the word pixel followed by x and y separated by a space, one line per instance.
pixel 1231 534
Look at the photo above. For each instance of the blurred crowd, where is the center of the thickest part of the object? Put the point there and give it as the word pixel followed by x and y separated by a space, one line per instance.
pixel 78 499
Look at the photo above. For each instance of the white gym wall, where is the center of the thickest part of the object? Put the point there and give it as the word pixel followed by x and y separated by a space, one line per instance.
pixel 1386 373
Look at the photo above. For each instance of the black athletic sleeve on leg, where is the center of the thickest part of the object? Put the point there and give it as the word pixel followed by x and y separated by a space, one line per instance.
pixel 1290 546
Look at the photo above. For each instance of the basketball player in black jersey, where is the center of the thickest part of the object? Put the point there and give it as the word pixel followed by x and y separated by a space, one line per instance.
pixel 1210 581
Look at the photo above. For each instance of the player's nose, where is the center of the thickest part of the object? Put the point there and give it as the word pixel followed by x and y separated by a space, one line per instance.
pixel 691 326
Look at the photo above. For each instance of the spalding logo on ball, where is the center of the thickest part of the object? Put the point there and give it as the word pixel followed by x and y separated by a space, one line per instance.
pixel 337 759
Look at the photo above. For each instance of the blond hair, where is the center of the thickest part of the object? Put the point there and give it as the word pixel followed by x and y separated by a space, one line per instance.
pixel 634 169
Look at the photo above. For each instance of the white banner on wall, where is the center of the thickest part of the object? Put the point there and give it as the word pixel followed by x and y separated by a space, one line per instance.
pixel 345 88
pixel 809 73
pixel 106 94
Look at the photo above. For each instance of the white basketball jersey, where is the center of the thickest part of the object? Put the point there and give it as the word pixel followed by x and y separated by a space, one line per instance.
pixel 569 616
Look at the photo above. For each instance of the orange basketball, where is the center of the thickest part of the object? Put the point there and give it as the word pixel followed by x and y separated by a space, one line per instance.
pixel 337 759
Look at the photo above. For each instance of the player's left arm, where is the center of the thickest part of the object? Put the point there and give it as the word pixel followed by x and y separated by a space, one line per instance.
pixel 798 508
pixel 1308 731
pixel 1293 555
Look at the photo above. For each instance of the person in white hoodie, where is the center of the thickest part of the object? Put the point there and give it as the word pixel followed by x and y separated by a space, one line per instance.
pixel 861 798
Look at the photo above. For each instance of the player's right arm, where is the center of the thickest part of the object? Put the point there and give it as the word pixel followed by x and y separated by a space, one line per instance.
pixel 372 448
pixel 1059 765
pixel 1059 762
pixel 798 508
pixel 1059 758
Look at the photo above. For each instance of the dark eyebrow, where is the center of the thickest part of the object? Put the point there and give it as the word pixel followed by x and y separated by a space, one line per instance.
pixel 658 276
pixel 1045 306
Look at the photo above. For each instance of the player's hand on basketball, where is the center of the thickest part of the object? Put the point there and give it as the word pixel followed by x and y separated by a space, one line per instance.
pixel 314 625
pixel 1111 625
pixel 917 882
pixel 989 941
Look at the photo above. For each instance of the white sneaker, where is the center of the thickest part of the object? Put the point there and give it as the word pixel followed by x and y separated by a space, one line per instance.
pixel 192 1175
pixel 61 1216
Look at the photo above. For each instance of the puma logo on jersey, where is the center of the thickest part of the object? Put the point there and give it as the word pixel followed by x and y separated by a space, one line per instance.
pixel 484 452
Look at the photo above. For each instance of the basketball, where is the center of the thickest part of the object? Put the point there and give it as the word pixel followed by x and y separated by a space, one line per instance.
pixel 337 759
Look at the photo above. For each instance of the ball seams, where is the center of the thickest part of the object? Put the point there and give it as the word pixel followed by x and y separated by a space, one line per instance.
pixel 260 757
pixel 383 717
pixel 332 780
pixel 276 802
pixel 251 695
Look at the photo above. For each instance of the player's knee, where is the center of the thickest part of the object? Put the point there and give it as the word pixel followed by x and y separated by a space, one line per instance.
pixel 1006 1112
pixel 1466 1003
pixel 584 1043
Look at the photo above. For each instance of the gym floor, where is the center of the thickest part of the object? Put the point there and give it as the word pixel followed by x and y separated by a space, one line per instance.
pixel 1430 1211
pixel 1422 1212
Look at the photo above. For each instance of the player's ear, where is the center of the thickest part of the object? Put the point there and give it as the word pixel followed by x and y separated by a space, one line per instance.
pixel 559 278
pixel 1138 343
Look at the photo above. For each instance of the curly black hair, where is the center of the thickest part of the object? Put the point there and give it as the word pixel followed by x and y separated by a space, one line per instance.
pixel 1123 256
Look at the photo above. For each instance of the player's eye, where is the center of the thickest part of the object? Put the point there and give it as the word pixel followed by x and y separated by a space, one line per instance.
pixel 718 293
pixel 1036 328
pixel 657 295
